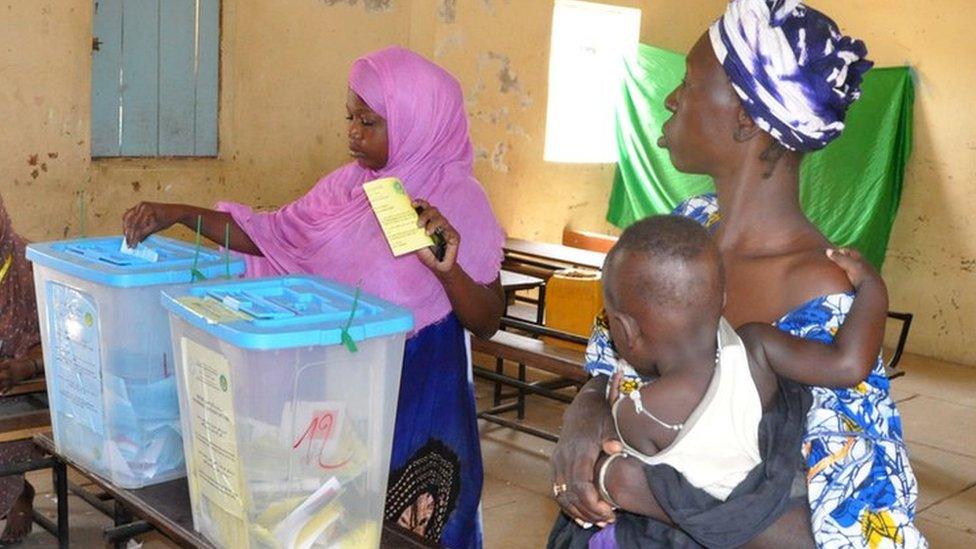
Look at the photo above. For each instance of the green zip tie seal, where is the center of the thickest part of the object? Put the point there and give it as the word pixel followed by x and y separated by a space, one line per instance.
pixel 346 338
pixel 195 274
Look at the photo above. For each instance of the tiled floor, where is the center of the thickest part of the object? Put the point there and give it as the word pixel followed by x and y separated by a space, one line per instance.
pixel 938 404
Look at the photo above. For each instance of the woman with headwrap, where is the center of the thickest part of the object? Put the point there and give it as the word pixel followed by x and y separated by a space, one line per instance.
pixel 20 360
pixel 770 81
pixel 406 120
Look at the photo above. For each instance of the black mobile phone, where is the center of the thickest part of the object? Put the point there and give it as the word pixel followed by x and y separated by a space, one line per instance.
pixel 440 245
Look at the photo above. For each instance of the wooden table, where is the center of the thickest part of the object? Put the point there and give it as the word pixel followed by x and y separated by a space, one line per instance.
pixel 513 282
pixel 551 256
pixel 163 507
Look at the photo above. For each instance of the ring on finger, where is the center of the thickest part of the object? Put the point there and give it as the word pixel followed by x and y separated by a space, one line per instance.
pixel 558 489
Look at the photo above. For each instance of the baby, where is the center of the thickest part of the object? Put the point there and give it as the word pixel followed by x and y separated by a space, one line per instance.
pixel 712 384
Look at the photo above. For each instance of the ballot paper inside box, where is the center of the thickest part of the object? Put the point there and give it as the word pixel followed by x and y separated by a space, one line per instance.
pixel 276 404
pixel 107 350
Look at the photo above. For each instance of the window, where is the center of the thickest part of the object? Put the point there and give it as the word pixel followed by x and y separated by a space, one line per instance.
pixel 590 43
pixel 154 77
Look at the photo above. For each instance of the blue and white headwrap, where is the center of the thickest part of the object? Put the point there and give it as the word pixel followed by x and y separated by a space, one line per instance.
pixel 795 73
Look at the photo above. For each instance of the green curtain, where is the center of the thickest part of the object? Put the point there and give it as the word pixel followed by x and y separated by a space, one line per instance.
pixel 850 189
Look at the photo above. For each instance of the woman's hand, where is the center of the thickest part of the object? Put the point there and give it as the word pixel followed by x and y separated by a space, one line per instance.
pixel 585 425
pixel 432 221
pixel 148 218
pixel 479 307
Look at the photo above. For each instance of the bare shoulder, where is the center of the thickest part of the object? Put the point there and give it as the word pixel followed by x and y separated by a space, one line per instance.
pixel 810 274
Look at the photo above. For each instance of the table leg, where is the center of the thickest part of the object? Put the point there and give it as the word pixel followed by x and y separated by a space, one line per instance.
pixel 500 370
pixel 60 473
pixel 120 514
pixel 520 414
pixel 120 517
pixel 500 363
pixel 540 313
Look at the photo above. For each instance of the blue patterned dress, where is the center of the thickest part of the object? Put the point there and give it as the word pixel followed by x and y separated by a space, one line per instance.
pixel 436 473
pixel 861 486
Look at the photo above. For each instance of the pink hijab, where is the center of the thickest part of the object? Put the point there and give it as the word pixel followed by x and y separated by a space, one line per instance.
pixel 332 232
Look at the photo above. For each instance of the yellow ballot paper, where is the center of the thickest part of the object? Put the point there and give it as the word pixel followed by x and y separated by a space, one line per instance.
pixel 213 311
pixel 396 215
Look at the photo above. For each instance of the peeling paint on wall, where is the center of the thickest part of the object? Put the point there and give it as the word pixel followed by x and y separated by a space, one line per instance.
pixel 491 116
pixel 476 91
pixel 370 5
pixel 515 129
pixel 506 76
pixel 447 11
pixel 489 5
pixel 451 42
pixel 498 157
pixel 499 117
pixel 378 5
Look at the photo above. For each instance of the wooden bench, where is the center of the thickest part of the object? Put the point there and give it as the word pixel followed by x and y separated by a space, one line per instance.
pixel 36 385
pixel 21 418
pixel 528 352
pixel 534 353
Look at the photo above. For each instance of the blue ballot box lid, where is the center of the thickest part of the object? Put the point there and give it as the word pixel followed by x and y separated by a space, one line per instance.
pixel 101 260
pixel 285 312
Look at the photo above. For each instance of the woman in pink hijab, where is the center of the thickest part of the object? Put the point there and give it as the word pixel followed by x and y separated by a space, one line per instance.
pixel 406 120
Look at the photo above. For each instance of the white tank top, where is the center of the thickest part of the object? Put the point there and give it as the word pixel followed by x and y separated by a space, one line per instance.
pixel 719 443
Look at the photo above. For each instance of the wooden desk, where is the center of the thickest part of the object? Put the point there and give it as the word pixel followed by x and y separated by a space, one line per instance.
pixel 513 282
pixel 551 256
pixel 33 385
pixel 526 351
pixel 164 507
pixel 22 412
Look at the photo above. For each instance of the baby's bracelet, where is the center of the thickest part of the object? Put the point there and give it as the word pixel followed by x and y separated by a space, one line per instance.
pixel 602 477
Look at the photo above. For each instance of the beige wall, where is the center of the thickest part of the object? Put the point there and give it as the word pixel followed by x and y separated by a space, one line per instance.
pixel 283 84
pixel 282 97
